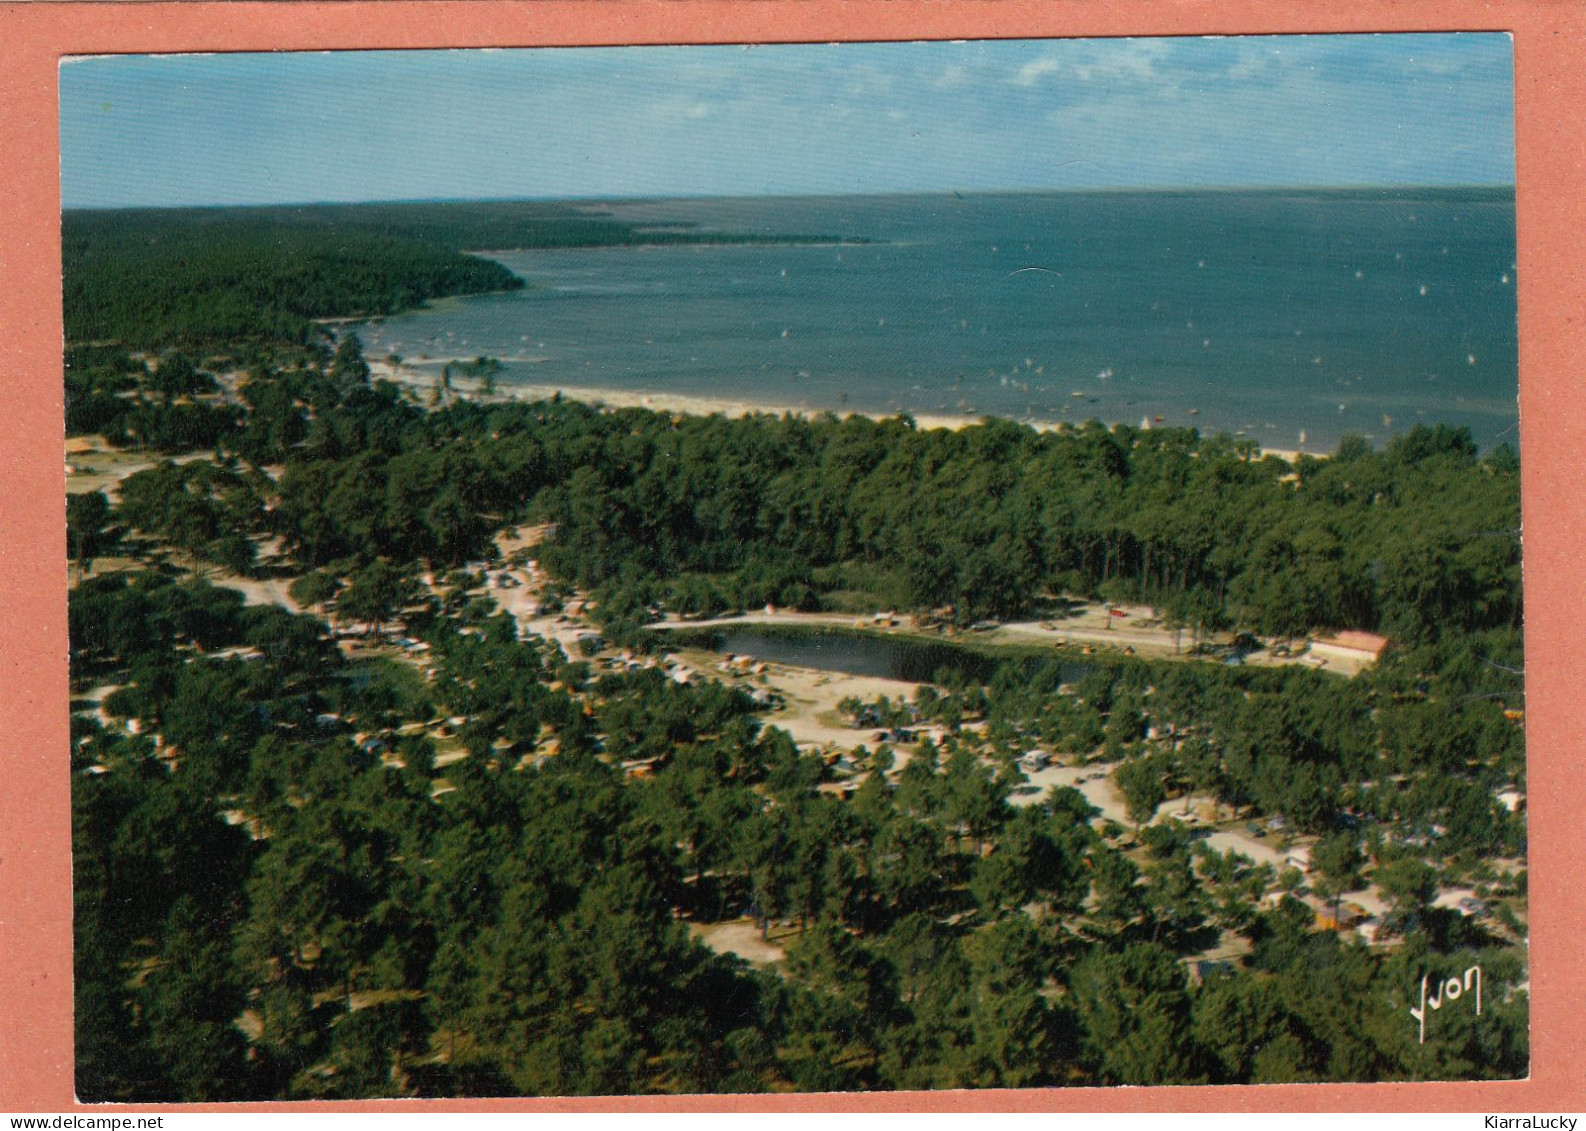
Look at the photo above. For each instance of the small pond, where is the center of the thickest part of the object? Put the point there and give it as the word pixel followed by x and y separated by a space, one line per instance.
pixel 858 653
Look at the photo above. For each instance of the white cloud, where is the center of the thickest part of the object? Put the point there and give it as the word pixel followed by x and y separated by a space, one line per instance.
pixel 1132 60
pixel 1035 70
pixel 870 82
pixel 953 75
pixel 1250 65
pixel 1439 67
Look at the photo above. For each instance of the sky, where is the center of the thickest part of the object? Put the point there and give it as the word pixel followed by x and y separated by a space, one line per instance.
pixel 787 119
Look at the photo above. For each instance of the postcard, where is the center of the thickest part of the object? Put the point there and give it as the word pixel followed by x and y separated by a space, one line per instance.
pixel 913 566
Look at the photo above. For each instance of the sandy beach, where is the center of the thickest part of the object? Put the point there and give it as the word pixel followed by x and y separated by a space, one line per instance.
pixel 422 385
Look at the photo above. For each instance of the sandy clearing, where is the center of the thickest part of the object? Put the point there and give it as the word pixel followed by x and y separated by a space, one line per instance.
pixel 521 538
pixel 564 632
pixel 271 591
pixel 1088 629
pixel 1368 899
pixel 100 467
pixel 1449 897
pixel 1092 781
pixel 1085 631
pixel 810 698
pixel 740 937
pixel 522 602
pixel 1226 840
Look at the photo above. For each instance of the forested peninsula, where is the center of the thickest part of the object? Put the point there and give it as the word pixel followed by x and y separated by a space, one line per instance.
pixel 391 778
pixel 205 276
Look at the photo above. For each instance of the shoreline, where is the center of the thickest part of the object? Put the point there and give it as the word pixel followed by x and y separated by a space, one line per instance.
pixel 693 404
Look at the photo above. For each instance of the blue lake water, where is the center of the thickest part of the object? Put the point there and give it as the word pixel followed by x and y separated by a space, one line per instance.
pixel 854 653
pixel 1268 313
pixel 857 653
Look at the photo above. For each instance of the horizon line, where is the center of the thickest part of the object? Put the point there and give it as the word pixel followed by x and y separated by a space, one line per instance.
pixel 1394 186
